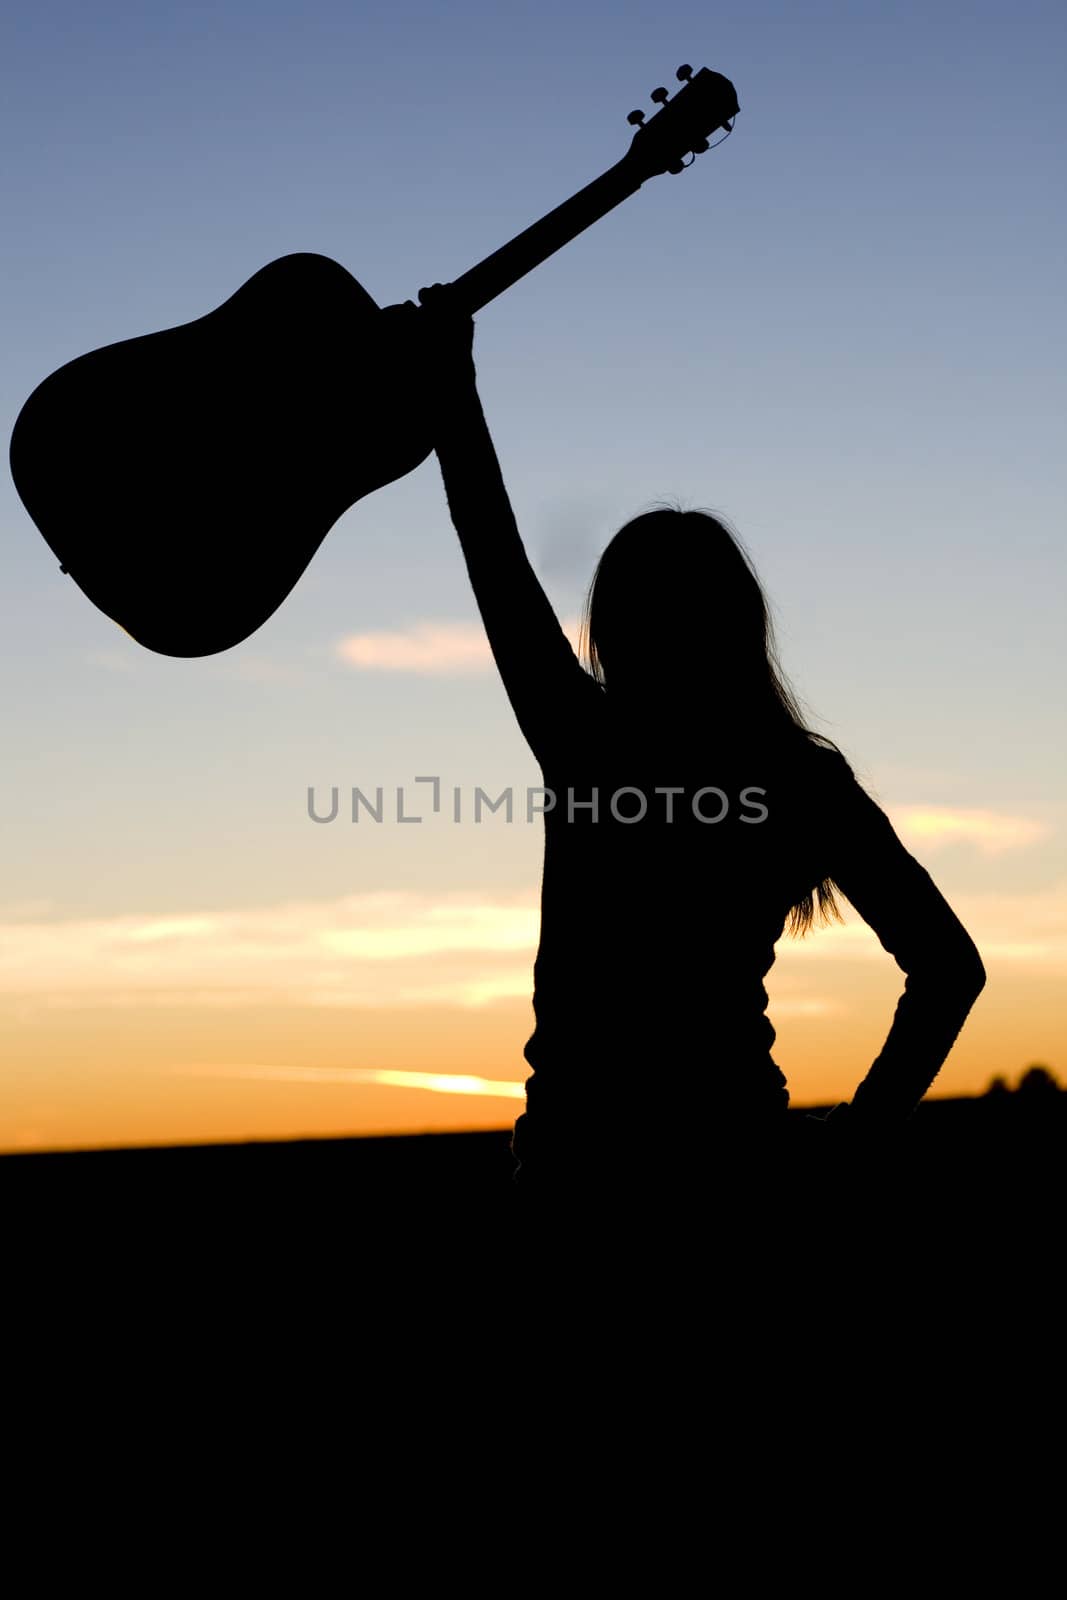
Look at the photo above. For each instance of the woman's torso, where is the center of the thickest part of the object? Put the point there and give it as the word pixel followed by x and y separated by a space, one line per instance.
pixel 659 917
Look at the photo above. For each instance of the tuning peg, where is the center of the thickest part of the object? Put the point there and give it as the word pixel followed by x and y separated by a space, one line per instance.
pixel 700 146
pixel 659 95
pixel 684 73
pixel 636 117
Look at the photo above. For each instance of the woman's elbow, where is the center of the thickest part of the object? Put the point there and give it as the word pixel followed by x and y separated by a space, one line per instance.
pixel 979 975
pixel 952 968
pixel 968 970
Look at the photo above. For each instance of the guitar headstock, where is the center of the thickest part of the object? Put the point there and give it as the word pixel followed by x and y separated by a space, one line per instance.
pixel 683 126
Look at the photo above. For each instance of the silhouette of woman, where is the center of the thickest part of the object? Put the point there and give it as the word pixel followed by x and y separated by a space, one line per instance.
pixel 690 818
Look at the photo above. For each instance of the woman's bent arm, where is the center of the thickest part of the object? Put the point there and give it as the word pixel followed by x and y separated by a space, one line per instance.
pixel 896 896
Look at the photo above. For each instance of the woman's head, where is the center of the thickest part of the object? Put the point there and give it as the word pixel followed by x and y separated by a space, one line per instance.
pixel 677 626
pixel 675 609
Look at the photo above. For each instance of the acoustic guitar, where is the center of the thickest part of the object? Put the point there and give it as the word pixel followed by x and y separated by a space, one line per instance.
pixel 185 479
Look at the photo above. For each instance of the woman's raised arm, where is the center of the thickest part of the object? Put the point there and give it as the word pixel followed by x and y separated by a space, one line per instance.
pixel 541 673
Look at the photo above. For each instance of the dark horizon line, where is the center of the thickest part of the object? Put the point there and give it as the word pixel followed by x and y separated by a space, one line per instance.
pixel 997 1090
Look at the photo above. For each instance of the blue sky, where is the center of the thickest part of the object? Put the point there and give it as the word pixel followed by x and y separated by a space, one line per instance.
pixel 843 329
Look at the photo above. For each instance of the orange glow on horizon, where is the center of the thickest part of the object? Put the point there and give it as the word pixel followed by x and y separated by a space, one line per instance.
pixel 396 1013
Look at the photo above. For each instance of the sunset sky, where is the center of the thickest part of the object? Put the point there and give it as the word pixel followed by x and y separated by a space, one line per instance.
pixel 844 330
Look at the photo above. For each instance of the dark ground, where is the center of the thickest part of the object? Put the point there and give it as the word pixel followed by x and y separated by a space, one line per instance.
pixel 982 1176
pixel 919 1296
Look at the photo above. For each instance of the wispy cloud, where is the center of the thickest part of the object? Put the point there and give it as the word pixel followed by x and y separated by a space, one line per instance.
pixel 424 647
pixel 1025 929
pixel 388 1077
pixel 991 832
pixel 371 950
pixel 805 1006
pixel 428 648
pixel 401 950
pixel 434 930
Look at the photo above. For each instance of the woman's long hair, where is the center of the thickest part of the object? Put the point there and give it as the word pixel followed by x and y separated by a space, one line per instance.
pixel 689 572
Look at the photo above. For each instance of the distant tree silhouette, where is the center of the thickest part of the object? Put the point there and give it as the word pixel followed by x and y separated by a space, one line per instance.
pixel 1039 1083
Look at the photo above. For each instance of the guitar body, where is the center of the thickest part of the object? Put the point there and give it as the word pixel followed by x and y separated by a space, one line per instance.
pixel 185 479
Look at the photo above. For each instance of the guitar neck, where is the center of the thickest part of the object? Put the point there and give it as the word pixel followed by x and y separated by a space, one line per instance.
pixel 535 244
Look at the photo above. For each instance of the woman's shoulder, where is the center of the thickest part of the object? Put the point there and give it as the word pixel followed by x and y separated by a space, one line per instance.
pixel 842 811
pixel 828 763
pixel 819 762
pixel 830 781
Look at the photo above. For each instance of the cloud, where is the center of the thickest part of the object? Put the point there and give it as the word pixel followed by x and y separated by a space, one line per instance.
pixel 434 930
pixel 390 1077
pixel 799 1006
pixel 387 949
pixel 1028 929
pixel 991 832
pixel 169 928
pixel 444 649
pixel 401 950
